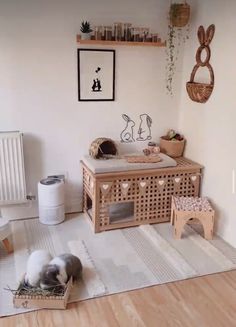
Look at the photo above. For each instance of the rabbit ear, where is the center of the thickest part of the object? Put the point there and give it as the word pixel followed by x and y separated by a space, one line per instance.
pixel 149 121
pixel 209 34
pixel 125 117
pixel 201 35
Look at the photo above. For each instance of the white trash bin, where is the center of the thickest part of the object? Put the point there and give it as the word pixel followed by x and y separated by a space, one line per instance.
pixel 51 201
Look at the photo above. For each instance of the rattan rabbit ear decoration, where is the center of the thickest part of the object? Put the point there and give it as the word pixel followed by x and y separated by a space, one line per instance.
pixel 201 92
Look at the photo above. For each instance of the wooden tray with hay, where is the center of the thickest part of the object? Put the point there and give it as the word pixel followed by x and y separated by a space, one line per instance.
pixel 37 298
pixel 143 159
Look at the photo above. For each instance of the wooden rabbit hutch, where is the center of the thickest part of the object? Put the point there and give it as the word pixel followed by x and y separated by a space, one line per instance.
pixel 117 199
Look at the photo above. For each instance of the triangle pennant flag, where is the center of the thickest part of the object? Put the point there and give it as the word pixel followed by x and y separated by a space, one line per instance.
pixel 142 187
pixel 161 182
pixel 105 187
pixel 194 178
pixel 87 178
pixel 91 185
pixel 125 186
pixel 177 182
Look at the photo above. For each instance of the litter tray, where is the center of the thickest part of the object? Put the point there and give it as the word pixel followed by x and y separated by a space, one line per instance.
pixel 43 302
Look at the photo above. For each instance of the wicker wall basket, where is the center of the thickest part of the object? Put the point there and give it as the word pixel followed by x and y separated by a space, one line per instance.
pixel 179 14
pixel 102 146
pixel 173 149
pixel 199 92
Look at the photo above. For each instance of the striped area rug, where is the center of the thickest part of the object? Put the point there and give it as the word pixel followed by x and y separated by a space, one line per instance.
pixel 114 261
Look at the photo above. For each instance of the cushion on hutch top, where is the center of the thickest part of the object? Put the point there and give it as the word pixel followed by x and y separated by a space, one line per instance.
pixel 112 165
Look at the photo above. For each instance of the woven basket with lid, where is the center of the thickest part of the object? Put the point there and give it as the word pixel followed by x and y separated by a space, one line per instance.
pixel 102 146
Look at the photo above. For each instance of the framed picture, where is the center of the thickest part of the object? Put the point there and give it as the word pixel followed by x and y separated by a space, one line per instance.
pixel 96 75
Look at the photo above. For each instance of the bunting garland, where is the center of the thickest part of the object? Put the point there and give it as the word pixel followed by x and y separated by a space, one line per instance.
pixel 161 183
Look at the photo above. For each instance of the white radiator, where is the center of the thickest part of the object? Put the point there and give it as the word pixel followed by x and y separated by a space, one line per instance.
pixel 12 172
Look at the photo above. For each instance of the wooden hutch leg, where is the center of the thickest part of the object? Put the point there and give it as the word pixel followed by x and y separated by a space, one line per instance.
pixel 172 215
pixel 179 223
pixel 96 209
pixel 84 204
pixel 7 245
pixel 207 223
pixel 85 208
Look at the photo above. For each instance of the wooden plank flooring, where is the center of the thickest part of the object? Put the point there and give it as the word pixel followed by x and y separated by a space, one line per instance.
pixel 208 301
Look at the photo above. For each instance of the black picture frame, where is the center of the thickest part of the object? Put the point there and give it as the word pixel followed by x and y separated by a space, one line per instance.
pixel 96 74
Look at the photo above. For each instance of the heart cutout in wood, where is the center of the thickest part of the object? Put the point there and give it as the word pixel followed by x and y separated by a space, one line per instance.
pixel 125 185
pixel 142 184
pixel 177 179
pixel 161 182
pixel 193 178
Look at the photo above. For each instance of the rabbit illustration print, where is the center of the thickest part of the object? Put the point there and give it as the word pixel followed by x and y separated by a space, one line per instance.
pixel 144 131
pixel 127 135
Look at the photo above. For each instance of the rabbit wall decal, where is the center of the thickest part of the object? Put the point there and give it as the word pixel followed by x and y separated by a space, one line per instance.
pixel 144 130
pixel 127 135
pixel 201 92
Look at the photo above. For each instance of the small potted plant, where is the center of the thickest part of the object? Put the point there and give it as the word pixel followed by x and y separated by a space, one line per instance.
pixel 85 30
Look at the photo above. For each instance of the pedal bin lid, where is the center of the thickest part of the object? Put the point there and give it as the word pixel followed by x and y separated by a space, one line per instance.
pixel 50 181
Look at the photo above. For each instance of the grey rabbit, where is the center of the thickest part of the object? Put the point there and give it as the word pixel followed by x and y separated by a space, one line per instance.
pixel 59 270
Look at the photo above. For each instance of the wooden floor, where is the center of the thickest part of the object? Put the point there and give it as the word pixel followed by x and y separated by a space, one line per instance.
pixel 208 301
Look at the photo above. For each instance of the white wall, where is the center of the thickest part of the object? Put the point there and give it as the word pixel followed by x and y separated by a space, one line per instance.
pixel 210 128
pixel 38 85
pixel 38 92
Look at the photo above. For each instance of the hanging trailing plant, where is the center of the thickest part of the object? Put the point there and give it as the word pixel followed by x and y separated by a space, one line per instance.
pixel 177 35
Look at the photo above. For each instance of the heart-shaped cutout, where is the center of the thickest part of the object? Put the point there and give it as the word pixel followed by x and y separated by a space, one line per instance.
pixel 193 178
pixel 142 184
pixel 177 179
pixel 105 186
pixel 125 185
pixel 161 182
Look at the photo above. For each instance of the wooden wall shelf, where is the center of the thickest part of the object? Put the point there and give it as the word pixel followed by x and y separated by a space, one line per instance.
pixel 126 43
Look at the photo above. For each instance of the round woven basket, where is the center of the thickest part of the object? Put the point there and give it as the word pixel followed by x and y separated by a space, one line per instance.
pixel 102 146
pixel 179 14
pixel 199 92
pixel 173 149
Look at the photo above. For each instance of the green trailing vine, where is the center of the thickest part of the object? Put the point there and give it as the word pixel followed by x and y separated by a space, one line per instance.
pixel 177 36
pixel 171 59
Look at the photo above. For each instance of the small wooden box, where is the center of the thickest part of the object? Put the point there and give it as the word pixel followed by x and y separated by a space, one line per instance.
pixel 43 302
